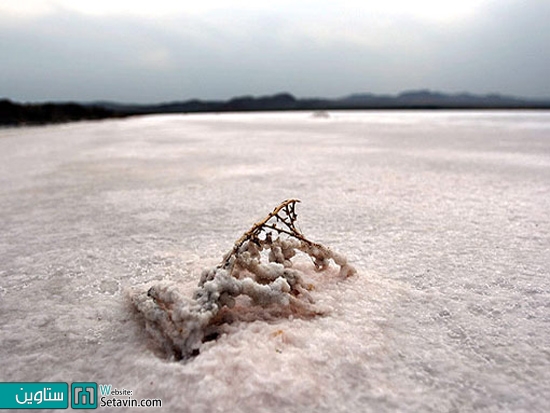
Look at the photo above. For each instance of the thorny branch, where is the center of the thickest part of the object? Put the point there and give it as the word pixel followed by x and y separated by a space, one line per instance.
pixel 182 324
pixel 284 214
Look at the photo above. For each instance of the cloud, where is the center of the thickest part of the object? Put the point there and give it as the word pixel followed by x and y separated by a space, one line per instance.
pixel 326 50
pixel 425 9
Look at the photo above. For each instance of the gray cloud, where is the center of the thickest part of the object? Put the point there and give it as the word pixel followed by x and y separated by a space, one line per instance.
pixel 67 55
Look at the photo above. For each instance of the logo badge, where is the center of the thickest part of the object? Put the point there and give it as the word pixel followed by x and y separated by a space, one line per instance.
pixel 34 395
pixel 84 395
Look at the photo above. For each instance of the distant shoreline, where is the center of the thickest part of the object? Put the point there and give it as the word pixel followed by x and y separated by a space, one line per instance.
pixel 22 114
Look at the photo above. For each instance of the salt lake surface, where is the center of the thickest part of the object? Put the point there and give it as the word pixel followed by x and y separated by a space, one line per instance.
pixel 444 214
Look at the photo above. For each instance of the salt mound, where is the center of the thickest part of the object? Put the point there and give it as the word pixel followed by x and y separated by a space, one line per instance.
pixel 256 279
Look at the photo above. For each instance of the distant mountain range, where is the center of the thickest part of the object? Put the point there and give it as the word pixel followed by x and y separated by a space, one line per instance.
pixel 20 114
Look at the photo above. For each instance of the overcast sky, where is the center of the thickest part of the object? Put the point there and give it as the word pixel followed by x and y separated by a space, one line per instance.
pixel 156 50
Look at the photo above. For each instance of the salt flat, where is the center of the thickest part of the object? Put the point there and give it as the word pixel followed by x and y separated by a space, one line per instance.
pixel 444 214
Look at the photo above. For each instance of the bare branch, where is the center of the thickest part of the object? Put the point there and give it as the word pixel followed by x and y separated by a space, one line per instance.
pixel 182 324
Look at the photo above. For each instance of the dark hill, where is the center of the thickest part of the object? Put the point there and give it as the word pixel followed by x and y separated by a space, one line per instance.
pixel 24 114
pixel 37 114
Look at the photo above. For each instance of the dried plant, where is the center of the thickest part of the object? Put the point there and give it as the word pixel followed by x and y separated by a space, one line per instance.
pixel 259 266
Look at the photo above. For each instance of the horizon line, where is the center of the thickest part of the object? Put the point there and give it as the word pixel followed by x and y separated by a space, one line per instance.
pixel 399 94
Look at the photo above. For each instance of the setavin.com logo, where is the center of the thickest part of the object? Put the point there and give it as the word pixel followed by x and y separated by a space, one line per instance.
pixel 56 395
pixel 84 395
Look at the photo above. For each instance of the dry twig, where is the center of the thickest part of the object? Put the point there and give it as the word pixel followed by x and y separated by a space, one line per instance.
pixel 182 324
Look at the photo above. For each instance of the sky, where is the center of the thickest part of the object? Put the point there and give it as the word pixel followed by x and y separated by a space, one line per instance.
pixel 160 51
